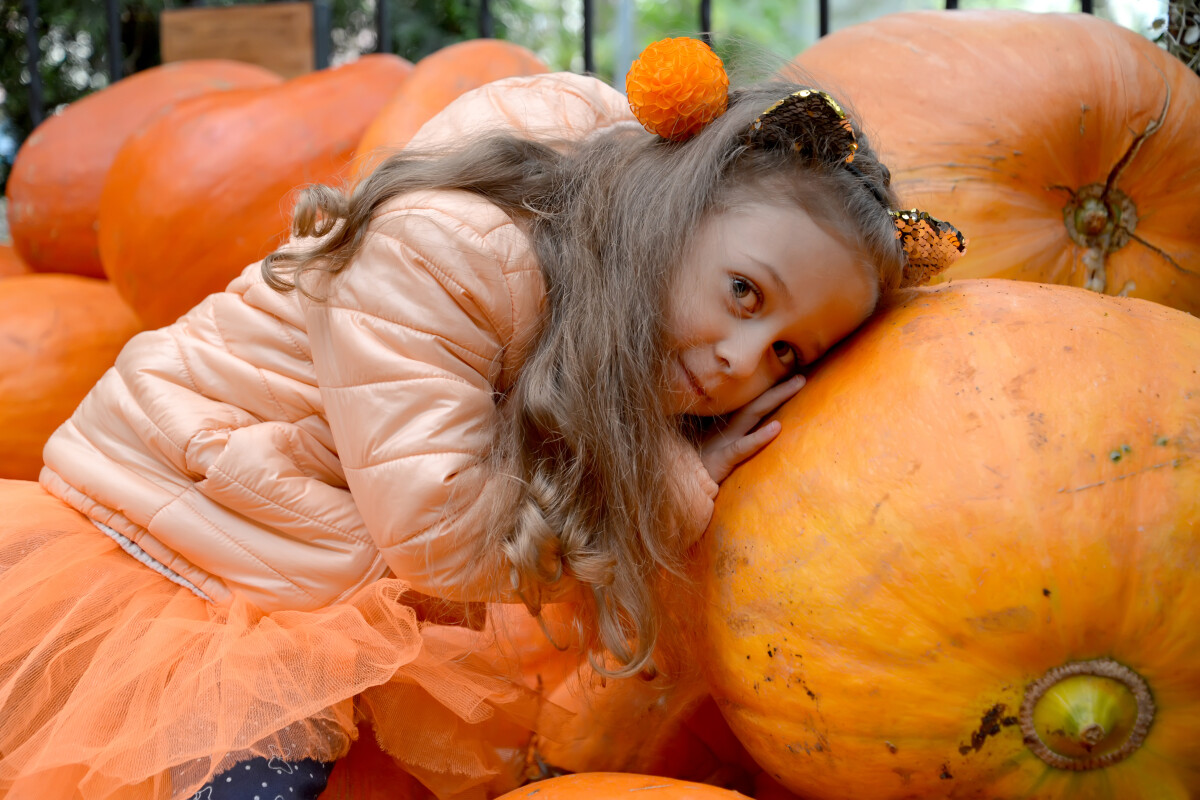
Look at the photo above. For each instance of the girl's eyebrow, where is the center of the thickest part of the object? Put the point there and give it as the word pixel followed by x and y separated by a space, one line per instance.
pixel 779 284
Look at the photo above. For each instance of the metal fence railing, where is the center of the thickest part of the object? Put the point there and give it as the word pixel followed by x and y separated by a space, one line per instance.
pixel 322 24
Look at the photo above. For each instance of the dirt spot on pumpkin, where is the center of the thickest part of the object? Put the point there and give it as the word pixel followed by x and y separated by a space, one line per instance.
pixel 1008 620
pixel 728 564
pixel 945 774
pixel 1015 388
pixel 798 680
pixel 1037 429
pixel 820 745
pixel 990 724
pixel 875 509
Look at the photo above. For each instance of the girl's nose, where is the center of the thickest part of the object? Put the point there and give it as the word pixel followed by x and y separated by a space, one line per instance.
pixel 740 358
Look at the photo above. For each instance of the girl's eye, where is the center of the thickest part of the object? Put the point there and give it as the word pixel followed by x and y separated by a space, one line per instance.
pixel 787 355
pixel 745 293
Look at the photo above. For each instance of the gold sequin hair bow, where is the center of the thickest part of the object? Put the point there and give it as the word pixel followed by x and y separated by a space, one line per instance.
pixel 818 129
pixel 679 85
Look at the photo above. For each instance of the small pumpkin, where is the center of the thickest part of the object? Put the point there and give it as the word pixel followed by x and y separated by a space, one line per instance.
pixel 54 189
pixel 206 189
pixel 1063 145
pixel 437 79
pixel 612 785
pixel 11 262
pixel 58 334
pixel 545 654
pixel 661 721
pixel 967 565
pixel 368 773
pixel 629 725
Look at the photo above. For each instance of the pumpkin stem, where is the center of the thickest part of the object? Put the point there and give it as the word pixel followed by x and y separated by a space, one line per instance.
pixel 1101 218
pixel 1086 715
pixel 1111 184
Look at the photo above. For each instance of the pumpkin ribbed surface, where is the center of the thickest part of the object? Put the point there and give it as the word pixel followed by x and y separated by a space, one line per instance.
pixel 613 785
pixel 1062 145
pixel 58 334
pixel 437 79
pixel 971 551
pixel 205 190
pixel 54 189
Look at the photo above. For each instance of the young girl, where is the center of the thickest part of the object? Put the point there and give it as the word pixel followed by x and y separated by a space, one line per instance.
pixel 512 366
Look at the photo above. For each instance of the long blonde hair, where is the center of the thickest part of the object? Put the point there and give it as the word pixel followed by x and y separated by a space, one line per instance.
pixel 583 431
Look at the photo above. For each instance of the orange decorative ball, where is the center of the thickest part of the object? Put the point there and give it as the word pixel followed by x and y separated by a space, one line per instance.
pixel 676 87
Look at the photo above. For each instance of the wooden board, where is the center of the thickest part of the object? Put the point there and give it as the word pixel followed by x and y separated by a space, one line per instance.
pixel 278 36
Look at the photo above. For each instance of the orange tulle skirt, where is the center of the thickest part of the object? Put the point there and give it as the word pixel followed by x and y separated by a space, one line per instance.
pixel 116 683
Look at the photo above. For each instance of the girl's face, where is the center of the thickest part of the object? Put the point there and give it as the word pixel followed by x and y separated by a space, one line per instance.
pixel 763 291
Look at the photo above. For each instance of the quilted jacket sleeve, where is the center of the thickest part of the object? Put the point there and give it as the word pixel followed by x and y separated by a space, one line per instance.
pixel 409 346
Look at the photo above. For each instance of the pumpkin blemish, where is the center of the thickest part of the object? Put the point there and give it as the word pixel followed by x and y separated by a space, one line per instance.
pixel 1045 593
pixel 891 747
pixel 945 775
pixel 989 725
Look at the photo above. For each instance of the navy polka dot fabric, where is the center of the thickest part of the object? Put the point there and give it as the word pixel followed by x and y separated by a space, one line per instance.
pixel 269 779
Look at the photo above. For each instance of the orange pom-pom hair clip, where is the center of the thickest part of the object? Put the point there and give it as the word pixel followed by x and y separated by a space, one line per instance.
pixel 676 87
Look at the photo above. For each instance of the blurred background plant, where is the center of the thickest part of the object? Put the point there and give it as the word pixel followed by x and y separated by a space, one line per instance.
pixel 1179 31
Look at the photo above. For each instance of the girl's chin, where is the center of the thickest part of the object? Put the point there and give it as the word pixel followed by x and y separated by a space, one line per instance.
pixel 686 402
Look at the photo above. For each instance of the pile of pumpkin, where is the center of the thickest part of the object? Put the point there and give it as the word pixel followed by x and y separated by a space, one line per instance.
pixel 967 566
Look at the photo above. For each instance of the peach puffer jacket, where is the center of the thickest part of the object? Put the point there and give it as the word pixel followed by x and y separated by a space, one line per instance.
pixel 293 451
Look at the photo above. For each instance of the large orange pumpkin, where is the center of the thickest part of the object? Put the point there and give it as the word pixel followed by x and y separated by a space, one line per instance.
pixel 437 79
pixel 58 334
pixel 611 785
pixel 967 565
pixel 11 262
pixel 207 189
pixel 1063 145
pixel 54 189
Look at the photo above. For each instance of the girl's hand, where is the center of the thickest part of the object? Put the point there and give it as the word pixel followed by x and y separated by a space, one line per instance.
pixel 732 444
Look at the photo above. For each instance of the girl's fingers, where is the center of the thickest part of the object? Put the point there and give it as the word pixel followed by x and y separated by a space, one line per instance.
pixel 746 446
pixel 780 393
pixel 722 458
pixel 753 412
pixel 757 440
pixel 739 439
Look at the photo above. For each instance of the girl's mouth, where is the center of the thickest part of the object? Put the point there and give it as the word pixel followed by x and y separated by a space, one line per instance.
pixel 695 384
